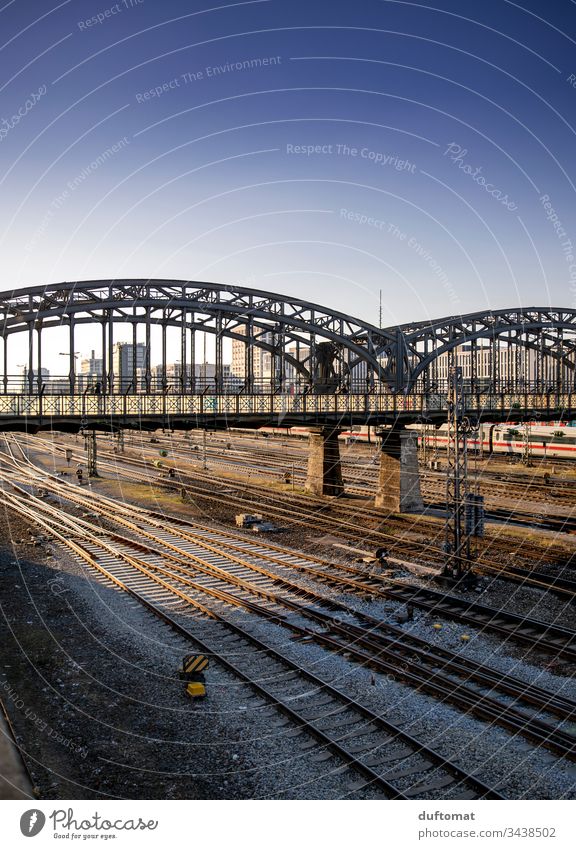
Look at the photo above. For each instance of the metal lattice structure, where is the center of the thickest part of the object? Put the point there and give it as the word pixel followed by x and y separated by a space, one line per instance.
pixel 532 347
pixel 325 351
pixel 457 541
pixel 91 453
pixel 283 327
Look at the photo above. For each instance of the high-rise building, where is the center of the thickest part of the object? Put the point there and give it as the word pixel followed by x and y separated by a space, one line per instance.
pixel 261 359
pixel 128 363
pixel 514 364
pixel 91 365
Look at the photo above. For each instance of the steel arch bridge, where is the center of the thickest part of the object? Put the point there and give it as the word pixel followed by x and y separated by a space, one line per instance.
pixel 298 361
pixel 322 340
pixel 531 345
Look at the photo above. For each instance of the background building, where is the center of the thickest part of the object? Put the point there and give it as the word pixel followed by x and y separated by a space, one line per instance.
pixel 262 360
pixel 204 377
pixel 24 380
pixel 90 372
pixel 514 363
pixel 128 365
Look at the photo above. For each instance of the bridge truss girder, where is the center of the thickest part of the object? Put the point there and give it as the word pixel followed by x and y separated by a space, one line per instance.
pixel 549 333
pixel 260 320
pixel 402 358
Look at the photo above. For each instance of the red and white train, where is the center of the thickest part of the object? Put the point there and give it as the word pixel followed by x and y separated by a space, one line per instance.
pixel 553 441
pixel 556 441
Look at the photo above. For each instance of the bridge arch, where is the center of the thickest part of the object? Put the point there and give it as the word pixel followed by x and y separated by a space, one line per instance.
pixel 324 348
pixel 322 341
pixel 538 341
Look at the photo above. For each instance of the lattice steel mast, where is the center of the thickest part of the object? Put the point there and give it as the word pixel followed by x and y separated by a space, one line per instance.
pixel 457 541
pixel 527 453
pixel 92 453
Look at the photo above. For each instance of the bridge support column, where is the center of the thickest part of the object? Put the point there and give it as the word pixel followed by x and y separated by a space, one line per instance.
pixel 398 489
pixel 324 470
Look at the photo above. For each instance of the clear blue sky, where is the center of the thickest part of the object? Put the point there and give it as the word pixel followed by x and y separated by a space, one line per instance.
pixel 168 139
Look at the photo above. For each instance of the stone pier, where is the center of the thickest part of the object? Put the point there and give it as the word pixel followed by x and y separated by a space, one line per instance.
pixel 399 479
pixel 324 469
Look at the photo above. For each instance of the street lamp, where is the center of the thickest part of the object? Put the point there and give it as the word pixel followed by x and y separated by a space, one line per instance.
pixel 74 354
pixel 72 372
pixel 204 363
pixel 24 375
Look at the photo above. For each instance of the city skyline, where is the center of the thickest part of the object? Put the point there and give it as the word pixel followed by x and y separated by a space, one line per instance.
pixel 518 365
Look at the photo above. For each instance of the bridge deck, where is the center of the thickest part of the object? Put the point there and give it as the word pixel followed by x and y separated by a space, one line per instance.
pixel 69 412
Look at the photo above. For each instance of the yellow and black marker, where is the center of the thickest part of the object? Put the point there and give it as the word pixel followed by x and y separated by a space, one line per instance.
pixel 192 672
pixel 195 663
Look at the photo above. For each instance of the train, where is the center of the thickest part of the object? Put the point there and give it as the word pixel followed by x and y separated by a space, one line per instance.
pixel 554 441
pixel 547 442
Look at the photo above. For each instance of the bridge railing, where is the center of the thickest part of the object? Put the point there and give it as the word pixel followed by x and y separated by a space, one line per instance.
pixel 419 404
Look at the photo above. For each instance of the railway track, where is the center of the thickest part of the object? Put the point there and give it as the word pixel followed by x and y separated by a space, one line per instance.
pixel 314 517
pixel 519 518
pixel 535 633
pixel 277 459
pixel 284 497
pixel 479 690
pixel 206 564
pixel 366 475
pixel 380 755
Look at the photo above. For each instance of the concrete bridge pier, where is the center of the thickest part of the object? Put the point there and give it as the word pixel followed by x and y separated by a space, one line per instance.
pixel 398 488
pixel 324 469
